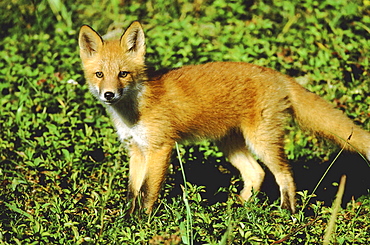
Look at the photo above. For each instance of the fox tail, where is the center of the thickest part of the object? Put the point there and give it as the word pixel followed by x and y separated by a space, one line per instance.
pixel 317 115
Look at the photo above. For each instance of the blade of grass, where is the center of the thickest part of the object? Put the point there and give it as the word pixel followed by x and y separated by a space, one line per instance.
pixel 189 220
pixel 20 211
pixel 326 172
pixel 336 206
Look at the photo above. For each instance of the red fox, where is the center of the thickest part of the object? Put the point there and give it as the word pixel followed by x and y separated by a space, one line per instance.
pixel 242 107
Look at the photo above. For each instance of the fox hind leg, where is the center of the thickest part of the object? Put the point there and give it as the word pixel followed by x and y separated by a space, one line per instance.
pixel 234 148
pixel 267 144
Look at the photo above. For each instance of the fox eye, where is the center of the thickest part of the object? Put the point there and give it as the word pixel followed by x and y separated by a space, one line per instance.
pixel 99 74
pixel 123 74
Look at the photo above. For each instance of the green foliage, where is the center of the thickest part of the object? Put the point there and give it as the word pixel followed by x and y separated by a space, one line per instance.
pixel 63 174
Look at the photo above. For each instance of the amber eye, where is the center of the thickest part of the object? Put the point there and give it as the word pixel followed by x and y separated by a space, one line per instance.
pixel 123 74
pixel 99 74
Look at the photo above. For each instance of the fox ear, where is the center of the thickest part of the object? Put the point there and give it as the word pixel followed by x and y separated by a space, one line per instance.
pixel 133 40
pixel 89 41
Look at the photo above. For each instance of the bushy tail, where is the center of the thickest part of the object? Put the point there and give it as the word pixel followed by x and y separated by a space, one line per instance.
pixel 317 115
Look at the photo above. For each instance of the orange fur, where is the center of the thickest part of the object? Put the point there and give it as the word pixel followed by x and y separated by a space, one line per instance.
pixel 242 107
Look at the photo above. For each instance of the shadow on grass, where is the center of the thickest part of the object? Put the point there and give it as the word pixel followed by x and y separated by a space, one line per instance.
pixel 352 165
pixel 206 172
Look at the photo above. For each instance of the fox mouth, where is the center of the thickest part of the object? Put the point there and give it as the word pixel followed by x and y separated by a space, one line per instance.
pixel 111 101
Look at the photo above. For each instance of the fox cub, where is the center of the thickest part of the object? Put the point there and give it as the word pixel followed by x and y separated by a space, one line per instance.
pixel 242 107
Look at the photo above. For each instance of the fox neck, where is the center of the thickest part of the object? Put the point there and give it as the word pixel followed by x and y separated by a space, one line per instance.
pixel 127 109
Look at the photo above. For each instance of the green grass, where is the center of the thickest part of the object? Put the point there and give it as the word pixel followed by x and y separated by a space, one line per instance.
pixel 63 173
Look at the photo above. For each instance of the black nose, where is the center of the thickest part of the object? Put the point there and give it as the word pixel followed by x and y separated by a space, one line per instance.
pixel 108 95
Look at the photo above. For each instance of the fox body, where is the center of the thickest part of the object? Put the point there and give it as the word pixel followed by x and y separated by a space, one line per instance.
pixel 242 107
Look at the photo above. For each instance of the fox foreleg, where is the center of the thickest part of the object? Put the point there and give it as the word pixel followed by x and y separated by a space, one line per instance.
pixel 147 173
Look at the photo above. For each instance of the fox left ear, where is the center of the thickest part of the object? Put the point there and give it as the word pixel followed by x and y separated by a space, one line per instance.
pixel 90 41
pixel 133 40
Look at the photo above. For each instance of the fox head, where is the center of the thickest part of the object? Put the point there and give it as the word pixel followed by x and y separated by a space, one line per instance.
pixel 113 69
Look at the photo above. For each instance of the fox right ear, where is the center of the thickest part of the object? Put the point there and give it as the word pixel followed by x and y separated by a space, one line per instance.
pixel 133 40
pixel 89 41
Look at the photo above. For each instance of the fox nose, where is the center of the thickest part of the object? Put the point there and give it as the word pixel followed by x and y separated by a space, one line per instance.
pixel 109 96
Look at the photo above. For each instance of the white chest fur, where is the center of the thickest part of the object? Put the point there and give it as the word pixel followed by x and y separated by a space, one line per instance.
pixel 128 130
